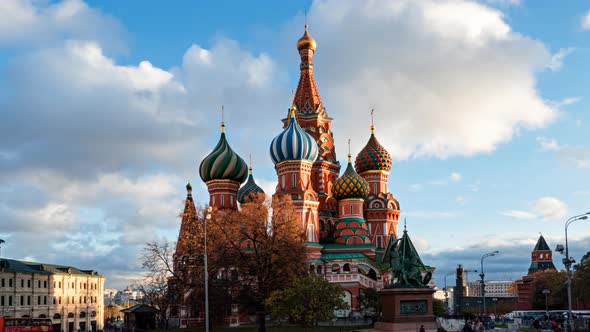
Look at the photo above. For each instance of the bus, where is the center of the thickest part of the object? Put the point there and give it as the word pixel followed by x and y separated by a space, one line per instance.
pixel 25 324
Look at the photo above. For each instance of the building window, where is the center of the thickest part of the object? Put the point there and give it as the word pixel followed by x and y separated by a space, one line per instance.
pixel 39 300
pixel 54 301
pixel 10 282
pixel 346 268
pixel 22 300
pixel 10 300
pixel 335 268
pixel 2 300
pixel 84 299
pixel 2 282
pixel 73 300
pixel 59 285
pixel 29 283
pixel 351 210
pixel 294 178
pixel 44 283
pixel 22 283
pixel 60 300
pixel 222 200
pixel 28 300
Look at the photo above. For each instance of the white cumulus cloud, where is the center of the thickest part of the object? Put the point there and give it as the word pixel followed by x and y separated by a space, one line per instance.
pixel 549 208
pixel 586 21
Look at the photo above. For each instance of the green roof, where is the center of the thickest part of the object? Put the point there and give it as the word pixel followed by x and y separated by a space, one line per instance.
pixel 541 245
pixel 343 255
pixel 13 265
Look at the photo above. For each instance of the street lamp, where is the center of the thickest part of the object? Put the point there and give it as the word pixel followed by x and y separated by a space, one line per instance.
pixel 495 299
pixel 546 292
pixel 207 217
pixel 446 292
pixel 568 261
pixel 482 275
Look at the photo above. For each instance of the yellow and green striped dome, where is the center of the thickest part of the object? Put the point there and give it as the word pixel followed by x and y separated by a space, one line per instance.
pixel 350 185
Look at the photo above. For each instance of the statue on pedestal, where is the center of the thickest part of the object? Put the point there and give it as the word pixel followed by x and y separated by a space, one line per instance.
pixel 407 268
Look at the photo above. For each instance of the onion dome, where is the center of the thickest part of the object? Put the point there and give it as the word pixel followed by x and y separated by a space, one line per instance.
pixel 373 157
pixel 293 143
pixel 223 163
pixel 350 184
pixel 250 187
pixel 306 42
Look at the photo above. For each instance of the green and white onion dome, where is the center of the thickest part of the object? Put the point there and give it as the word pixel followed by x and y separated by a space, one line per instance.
pixel 223 164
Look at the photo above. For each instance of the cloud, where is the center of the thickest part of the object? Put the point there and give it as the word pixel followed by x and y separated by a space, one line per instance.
pixel 586 21
pixel 27 23
pixel 556 61
pixel 549 208
pixel 505 2
pixel 456 177
pixel 445 85
pixel 518 214
pixel 579 156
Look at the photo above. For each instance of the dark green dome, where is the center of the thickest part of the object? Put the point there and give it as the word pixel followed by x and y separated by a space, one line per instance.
pixel 250 187
pixel 350 185
pixel 223 164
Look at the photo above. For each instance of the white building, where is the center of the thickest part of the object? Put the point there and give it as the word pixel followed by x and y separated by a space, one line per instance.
pixel 71 297
pixel 494 288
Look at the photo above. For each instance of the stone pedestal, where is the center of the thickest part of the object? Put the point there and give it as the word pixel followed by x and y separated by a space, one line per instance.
pixel 406 309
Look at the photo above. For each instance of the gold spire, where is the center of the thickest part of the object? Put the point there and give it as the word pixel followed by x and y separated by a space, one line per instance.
pixel 349 156
pixel 306 42
pixel 292 111
pixel 222 121
pixel 372 125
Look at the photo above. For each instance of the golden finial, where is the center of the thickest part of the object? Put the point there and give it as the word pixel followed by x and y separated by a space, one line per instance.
pixel 306 42
pixel 250 168
pixel 292 111
pixel 372 124
pixel 222 121
pixel 349 156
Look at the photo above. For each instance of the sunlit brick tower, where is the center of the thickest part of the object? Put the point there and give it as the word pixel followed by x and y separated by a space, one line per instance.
pixel 293 152
pixel 223 171
pixel 312 117
pixel 541 261
pixel 186 258
pixel 382 210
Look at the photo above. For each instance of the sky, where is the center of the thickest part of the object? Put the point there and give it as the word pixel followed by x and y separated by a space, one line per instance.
pixel 108 107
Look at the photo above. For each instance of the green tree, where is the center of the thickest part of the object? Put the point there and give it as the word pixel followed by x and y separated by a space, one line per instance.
pixel 369 303
pixel 581 282
pixel 310 299
pixel 438 308
pixel 553 281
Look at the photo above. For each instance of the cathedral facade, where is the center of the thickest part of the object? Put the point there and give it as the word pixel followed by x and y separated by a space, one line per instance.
pixel 348 218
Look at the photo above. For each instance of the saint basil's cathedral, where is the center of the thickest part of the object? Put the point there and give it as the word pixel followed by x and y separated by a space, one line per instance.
pixel 348 220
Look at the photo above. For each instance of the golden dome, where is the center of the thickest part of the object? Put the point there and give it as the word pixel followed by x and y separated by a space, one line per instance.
pixel 306 42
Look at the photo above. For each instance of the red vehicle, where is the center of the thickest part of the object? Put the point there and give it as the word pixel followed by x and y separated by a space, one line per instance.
pixel 25 324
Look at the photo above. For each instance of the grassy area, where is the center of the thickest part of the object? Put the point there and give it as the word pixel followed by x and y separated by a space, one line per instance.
pixel 273 329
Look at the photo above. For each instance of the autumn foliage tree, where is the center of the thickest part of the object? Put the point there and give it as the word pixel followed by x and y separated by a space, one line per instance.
pixel 264 244
pixel 554 281
pixel 581 283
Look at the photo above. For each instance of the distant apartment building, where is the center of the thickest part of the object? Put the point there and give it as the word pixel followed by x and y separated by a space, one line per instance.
pixel 494 288
pixel 71 297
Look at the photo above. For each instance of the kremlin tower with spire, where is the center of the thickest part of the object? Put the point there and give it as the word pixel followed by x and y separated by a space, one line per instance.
pixel 348 220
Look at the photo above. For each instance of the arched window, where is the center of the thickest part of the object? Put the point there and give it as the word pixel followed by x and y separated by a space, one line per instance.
pixel 82 314
pixel 56 316
pixel 346 268
pixel 70 315
pixel 335 268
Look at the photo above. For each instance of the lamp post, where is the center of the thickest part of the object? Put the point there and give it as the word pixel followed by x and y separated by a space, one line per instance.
pixel 546 292
pixel 495 299
pixel 446 292
pixel 568 261
pixel 207 218
pixel 482 275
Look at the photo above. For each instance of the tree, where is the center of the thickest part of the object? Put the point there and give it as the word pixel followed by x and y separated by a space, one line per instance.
pixel 438 308
pixel 553 281
pixel 264 243
pixel 309 300
pixel 581 282
pixel 369 303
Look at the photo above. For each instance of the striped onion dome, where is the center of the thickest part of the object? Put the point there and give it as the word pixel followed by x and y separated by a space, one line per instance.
pixel 293 143
pixel 350 184
pixel 373 157
pixel 248 188
pixel 223 163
